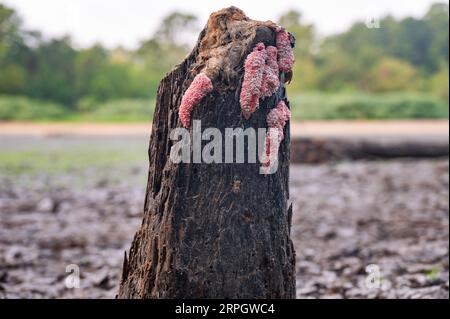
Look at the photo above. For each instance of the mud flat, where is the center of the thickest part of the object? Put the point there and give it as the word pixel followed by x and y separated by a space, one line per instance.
pixel 69 201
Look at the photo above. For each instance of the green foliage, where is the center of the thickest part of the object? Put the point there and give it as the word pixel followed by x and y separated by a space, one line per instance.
pixel 432 274
pixel 10 36
pixel 360 106
pixel 410 50
pixel 409 54
pixel 391 74
pixel 12 78
pixel 53 75
pixel 437 19
pixel 439 84
pixel 12 74
pixel 54 70
pixel 305 106
pixel 132 110
pixel 24 109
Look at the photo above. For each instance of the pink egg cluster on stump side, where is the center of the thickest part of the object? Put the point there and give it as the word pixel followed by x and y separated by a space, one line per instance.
pixel 261 80
pixel 286 57
pixel 262 71
pixel 199 88
pixel 253 80
pixel 276 121
pixel 278 117
pixel 271 77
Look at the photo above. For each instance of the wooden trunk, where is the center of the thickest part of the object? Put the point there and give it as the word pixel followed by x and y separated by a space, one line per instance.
pixel 212 230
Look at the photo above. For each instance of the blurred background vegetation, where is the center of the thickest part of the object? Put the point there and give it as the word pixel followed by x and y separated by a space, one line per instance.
pixel 397 71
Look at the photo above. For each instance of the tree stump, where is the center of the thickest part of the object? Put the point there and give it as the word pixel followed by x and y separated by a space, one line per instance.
pixel 219 230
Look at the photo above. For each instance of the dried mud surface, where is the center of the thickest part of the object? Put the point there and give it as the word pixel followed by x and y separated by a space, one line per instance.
pixel 347 215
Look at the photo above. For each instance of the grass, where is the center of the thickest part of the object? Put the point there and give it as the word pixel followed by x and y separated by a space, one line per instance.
pixel 432 274
pixel 57 155
pixel 78 163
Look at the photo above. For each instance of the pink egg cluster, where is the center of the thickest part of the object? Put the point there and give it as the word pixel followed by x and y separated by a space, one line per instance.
pixel 276 121
pixel 286 57
pixel 271 77
pixel 253 80
pixel 278 117
pixel 262 71
pixel 261 78
pixel 199 88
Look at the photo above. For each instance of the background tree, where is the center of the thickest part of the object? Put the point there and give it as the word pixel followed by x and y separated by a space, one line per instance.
pixel 52 76
pixel 404 55
pixel 391 74
pixel 12 75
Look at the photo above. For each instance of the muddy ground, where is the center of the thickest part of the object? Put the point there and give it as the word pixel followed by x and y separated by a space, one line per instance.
pixel 79 201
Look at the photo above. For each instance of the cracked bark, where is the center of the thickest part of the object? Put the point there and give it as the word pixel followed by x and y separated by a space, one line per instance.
pixel 213 230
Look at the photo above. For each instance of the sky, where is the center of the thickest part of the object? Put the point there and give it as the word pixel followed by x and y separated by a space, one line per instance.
pixel 126 23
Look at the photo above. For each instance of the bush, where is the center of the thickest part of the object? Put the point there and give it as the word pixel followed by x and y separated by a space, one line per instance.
pixel 439 84
pixel 390 75
pixel 24 109
pixel 359 106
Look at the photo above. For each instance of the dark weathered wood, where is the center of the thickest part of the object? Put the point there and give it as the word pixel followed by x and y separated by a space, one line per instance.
pixel 212 230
